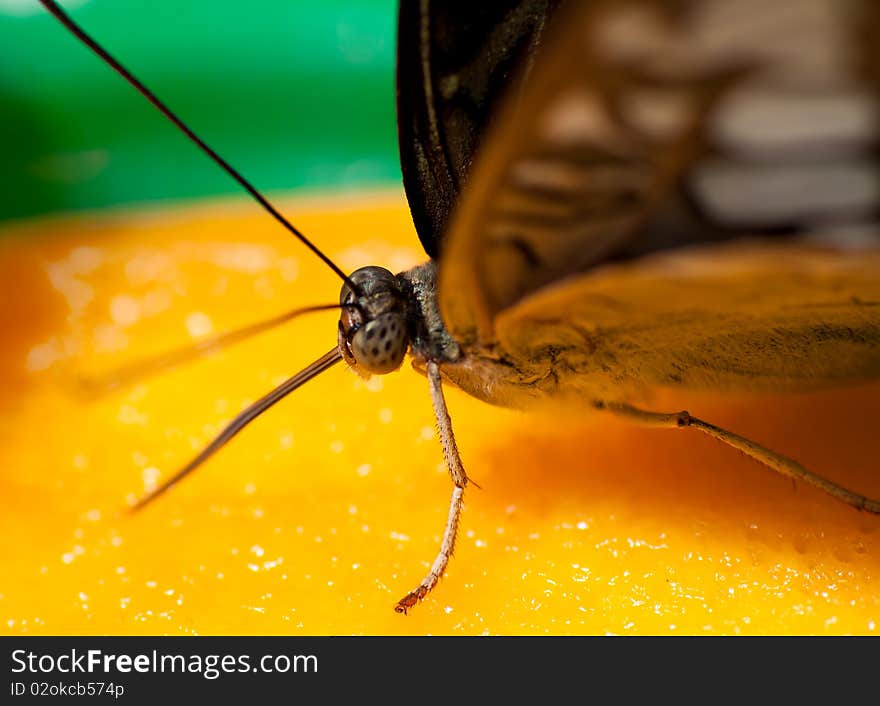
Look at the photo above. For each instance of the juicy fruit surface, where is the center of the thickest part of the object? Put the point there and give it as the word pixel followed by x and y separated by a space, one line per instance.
pixel 328 509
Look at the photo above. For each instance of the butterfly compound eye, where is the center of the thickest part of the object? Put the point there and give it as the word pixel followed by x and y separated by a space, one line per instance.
pixel 380 345
pixel 373 333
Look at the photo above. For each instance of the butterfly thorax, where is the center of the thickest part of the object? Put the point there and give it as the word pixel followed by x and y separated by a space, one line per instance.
pixel 483 371
pixel 429 338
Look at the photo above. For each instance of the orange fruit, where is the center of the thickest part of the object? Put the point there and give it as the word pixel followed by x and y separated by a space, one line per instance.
pixel 327 509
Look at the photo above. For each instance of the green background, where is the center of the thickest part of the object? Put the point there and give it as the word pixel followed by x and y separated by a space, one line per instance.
pixel 293 93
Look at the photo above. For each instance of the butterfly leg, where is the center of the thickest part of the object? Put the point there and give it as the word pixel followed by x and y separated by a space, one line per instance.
pixel 459 479
pixel 774 461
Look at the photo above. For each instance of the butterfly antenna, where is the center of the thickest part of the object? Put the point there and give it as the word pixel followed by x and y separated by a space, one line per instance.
pixel 326 361
pixel 80 34
pixel 129 374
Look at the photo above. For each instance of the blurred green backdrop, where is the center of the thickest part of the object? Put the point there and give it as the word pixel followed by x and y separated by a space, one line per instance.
pixel 292 92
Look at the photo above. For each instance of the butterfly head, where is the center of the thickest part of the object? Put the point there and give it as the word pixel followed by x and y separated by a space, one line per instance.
pixel 373 335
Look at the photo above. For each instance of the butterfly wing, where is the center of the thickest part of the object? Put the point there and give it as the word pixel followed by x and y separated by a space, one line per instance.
pixel 649 126
pixel 745 316
pixel 454 61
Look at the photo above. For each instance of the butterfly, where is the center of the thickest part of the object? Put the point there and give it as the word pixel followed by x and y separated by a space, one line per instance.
pixel 615 197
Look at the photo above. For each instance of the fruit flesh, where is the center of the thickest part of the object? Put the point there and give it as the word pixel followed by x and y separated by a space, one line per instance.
pixel 328 509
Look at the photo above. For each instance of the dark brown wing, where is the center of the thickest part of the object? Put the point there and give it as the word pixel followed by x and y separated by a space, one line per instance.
pixel 454 61
pixel 649 125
